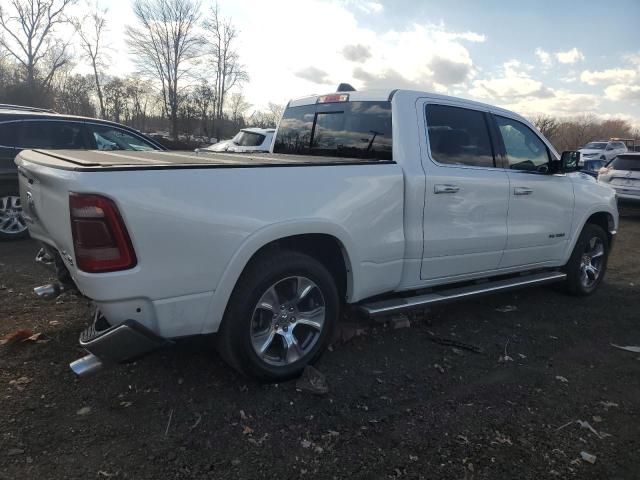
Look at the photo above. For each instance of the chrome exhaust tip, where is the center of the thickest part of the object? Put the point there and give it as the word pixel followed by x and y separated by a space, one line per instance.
pixel 87 365
pixel 50 291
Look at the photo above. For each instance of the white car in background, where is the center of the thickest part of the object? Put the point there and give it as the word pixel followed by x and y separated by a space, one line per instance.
pixel 602 150
pixel 246 140
pixel 623 175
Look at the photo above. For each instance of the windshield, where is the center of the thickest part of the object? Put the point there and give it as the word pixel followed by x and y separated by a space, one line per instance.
pixel 248 139
pixel 343 129
pixel 595 145
pixel 626 163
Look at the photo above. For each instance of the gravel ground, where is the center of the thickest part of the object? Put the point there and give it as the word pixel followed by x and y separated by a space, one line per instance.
pixel 399 405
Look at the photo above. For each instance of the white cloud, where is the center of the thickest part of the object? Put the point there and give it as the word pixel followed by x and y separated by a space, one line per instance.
pixel 612 75
pixel 424 56
pixel 356 53
pixel 543 56
pixel 622 92
pixel 367 6
pixel 562 103
pixel 314 75
pixel 570 56
pixel 514 83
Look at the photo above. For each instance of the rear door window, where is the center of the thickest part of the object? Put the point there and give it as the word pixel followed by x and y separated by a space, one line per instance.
pixel 525 150
pixel 248 139
pixel 112 138
pixel 360 130
pixel 622 162
pixel 50 134
pixel 459 136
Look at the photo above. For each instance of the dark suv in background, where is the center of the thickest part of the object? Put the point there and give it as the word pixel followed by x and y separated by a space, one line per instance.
pixel 29 128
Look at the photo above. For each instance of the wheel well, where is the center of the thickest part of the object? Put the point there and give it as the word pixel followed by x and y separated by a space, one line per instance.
pixel 604 220
pixel 327 249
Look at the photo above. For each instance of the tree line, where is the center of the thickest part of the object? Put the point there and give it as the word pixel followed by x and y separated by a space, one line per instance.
pixel 188 77
pixel 573 133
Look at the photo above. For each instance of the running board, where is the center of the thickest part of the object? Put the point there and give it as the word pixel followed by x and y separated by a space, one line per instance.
pixel 398 304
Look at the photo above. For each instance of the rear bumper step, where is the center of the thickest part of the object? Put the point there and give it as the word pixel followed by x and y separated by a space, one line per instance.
pixel 398 304
pixel 115 344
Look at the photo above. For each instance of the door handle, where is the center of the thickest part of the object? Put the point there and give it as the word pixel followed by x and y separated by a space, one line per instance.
pixel 522 191
pixel 445 188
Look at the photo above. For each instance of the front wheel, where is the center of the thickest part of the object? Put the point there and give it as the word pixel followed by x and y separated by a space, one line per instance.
pixel 588 263
pixel 280 316
pixel 12 223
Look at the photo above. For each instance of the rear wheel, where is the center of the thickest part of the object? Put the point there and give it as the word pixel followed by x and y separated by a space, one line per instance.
pixel 280 316
pixel 588 263
pixel 12 223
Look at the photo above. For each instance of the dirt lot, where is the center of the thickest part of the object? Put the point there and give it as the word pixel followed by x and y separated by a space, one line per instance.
pixel 400 406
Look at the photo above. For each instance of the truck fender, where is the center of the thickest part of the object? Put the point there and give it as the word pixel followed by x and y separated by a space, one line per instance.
pixel 263 237
pixel 601 208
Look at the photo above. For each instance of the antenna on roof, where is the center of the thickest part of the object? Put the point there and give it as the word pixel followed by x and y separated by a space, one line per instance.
pixel 345 87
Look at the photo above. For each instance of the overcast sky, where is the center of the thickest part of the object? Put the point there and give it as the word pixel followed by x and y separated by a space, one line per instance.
pixel 558 57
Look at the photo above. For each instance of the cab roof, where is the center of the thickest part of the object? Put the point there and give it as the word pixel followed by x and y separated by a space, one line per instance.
pixel 381 95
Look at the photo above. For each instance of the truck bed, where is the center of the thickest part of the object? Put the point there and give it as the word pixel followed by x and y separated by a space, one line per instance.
pixel 95 160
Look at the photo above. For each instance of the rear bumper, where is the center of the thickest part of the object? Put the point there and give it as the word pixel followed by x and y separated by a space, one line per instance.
pixel 114 344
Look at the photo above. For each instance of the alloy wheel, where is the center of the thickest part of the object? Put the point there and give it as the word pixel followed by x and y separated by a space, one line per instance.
pixel 11 220
pixel 287 321
pixel 591 262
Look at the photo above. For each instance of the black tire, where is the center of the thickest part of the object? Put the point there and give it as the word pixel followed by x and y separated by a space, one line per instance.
pixel 575 283
pixel 11 191
pixel 234 339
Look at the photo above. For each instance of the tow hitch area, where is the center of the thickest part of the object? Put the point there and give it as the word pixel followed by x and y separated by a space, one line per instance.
pixel 108 345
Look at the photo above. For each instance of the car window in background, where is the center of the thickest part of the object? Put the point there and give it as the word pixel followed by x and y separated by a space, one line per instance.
pixel 622 162
pixel 525 150
pixel 50 134
pixel 459 136
pixel 110 138
pixel 595 145
pixel 248 139
pixel 343 129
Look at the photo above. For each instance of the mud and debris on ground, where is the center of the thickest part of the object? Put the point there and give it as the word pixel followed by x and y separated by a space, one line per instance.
pixel 403 402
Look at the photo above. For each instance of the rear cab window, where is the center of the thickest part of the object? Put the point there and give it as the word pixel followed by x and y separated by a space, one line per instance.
pixel 459 136
pixel 352 130
pixel 248 139
pixel 626 162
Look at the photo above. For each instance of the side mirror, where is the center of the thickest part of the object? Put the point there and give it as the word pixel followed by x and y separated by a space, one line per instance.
pixel 570 161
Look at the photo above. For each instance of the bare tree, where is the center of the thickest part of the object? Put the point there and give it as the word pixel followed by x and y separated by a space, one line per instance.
pixel 90 30
pixel 203 98
pixel 229 72
pixel 237 108
pixel 27 37
pixel 547 125
pixel 164 42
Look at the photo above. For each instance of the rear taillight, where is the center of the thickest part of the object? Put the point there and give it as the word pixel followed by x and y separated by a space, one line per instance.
pixel 100 239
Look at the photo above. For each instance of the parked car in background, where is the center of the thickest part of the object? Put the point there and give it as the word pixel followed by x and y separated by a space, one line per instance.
pixel 379 201
pixel 246 140
pixel 33 128
pixel 602 150
pixel 623 175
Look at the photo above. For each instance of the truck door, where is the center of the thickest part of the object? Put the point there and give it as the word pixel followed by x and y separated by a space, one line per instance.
pixel 467 193
pixel 540 204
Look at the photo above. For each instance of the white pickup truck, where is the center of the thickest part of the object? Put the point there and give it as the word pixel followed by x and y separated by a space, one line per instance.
pixel 376 201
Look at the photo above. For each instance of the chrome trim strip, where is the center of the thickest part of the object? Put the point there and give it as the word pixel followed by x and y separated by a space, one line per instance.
pixel 385 307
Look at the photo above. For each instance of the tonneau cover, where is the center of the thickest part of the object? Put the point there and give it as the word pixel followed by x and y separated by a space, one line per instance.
pixel 96 160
